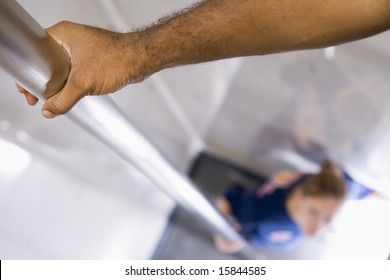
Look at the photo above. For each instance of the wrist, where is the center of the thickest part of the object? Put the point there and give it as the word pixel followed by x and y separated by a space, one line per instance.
pixel 158 49
pixel 140 62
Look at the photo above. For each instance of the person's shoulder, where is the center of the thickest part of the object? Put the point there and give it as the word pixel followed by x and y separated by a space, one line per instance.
pixel 356 190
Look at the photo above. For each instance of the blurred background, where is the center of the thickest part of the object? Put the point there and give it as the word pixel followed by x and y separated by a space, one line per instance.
pixel 64 195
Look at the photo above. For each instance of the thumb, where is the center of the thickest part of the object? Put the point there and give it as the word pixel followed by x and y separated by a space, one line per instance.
pixel 64 100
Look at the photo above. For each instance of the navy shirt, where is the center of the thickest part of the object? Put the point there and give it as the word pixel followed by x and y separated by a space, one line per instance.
pixel 264 219
pixel 263 215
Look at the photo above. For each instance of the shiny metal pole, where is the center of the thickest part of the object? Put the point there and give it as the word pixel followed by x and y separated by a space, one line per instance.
pixel 37 62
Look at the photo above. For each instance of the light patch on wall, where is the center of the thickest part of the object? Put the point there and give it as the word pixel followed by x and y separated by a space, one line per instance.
pixel 5 125
pixel 13 159
pixel 362 231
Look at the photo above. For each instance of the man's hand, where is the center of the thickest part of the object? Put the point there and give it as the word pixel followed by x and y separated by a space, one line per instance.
pixel 104 61
pixel 101 62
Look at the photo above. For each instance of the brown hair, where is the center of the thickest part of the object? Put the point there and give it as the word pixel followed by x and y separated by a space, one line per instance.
pixel 328 182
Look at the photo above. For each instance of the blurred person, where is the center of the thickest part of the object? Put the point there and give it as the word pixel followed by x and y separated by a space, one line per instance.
pixel 103 61
pixel 286 207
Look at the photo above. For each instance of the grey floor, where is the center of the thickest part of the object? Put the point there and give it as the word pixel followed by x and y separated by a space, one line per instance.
pixel 187 238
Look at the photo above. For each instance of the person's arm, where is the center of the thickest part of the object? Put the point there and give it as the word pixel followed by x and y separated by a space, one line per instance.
pixel 220 29
pixel 103 61
pixel 281 179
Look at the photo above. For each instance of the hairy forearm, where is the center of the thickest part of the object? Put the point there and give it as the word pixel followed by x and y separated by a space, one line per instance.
pixel 103 61
pixel 217 29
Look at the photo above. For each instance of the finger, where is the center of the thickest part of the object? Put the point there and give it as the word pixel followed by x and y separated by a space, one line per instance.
pixel 21 89
pixel 64 100
pixel 31 99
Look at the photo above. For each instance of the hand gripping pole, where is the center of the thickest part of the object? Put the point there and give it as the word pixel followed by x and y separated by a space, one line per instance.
pixel 37 62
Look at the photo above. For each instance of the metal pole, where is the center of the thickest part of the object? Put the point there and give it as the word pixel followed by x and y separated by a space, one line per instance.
pixel 37 62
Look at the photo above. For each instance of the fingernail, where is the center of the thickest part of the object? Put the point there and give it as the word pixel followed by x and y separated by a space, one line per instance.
pixel 47 114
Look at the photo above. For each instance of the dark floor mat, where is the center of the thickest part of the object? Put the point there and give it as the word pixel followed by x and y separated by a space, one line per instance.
pixel 187 238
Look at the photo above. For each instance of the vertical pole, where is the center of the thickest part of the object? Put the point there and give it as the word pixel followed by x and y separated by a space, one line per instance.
pixel 37 62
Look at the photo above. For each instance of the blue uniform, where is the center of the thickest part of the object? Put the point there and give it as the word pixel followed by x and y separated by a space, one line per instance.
pixel 355 189
pixel 263 215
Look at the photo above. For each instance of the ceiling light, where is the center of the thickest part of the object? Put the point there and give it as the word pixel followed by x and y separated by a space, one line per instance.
pixel 13 159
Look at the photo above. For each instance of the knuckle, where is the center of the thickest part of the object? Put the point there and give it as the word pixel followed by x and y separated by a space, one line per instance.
pixel 60 28
pixel 64 24
pixel 58 107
